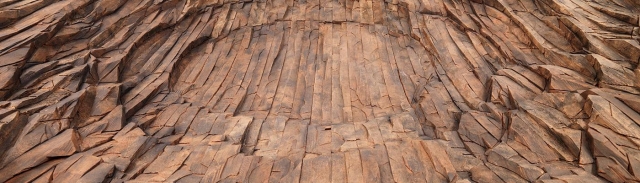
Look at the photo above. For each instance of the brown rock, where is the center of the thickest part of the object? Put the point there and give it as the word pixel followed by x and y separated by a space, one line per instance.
pixel 319 91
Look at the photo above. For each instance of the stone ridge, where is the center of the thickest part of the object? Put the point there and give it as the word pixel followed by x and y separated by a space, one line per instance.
pixel 319 91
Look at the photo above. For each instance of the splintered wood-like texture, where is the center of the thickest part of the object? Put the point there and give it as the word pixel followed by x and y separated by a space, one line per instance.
pixel 319 91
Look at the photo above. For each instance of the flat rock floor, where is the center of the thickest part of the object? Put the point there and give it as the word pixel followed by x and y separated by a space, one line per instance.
pixel 319 91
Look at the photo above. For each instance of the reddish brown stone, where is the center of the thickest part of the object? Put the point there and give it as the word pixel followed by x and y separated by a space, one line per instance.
pixel 319 91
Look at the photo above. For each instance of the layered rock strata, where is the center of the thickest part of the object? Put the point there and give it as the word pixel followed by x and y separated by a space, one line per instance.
pixel 319 91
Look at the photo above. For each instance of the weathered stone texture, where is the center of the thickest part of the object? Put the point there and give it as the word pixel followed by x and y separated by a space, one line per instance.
pixel 319 91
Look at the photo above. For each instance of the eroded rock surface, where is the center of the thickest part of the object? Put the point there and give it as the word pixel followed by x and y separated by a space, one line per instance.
pixel 319 91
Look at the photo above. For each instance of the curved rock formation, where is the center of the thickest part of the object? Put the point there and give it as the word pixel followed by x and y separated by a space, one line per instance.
pixel 319 90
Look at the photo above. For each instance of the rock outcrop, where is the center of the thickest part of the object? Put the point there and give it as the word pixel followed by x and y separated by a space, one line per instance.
pixel 319 91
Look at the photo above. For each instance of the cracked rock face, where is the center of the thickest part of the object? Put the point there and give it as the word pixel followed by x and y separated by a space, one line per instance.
pixel 319 91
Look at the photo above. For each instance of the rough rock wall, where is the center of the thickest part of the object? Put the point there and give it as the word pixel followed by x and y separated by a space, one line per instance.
pixel 319 90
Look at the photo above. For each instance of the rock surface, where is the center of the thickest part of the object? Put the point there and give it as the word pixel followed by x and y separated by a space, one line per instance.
pixel 319 91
